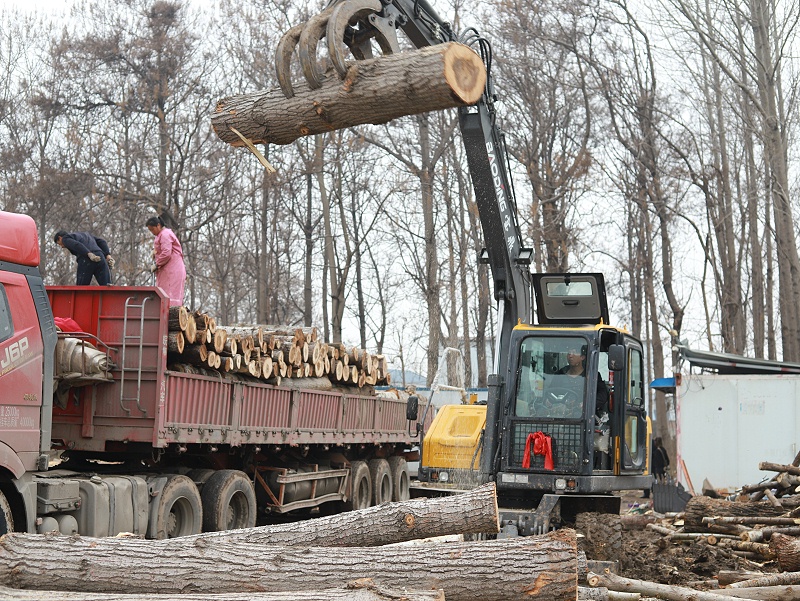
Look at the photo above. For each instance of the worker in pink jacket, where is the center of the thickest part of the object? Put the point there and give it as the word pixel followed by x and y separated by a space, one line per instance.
pixel 169 268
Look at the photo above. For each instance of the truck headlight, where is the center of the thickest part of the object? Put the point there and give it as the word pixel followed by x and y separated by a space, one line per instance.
pixel 444 476
pixel 561 484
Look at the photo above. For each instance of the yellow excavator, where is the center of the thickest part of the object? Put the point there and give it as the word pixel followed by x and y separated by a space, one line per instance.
pixel 565 424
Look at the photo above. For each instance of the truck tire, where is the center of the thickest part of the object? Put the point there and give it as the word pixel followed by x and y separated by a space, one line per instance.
pixel 180 510
pixel 200 476
pixel 361 485
pixel 6 517
pixel 401 490
pixel 229 501
pixel 381 476
pixel 602 535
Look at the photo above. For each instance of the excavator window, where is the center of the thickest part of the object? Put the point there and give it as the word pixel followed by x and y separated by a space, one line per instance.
pixel 551 378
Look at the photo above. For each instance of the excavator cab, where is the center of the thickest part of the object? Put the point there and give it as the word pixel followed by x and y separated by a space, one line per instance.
pixel 573 425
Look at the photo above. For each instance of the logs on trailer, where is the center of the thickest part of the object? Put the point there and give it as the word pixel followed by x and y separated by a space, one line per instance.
pixel 373 91
pixel 267 352
pixel 360 590
pixel 175 342
pixel 533 567
pixel 178 318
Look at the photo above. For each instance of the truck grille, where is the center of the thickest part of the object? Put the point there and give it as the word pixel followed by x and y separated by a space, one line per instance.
pixel 567 444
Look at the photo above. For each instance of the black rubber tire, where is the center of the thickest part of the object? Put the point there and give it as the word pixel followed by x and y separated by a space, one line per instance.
pixel 361 485
pixel 602 535
pixel 180 510
pixel 229 501
pixel 381 476
pixel 200 476
pixel 401 489
pixel 6 517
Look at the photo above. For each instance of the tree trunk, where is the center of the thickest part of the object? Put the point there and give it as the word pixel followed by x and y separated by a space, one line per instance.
pixel 760 580
pixel 779 467
pixel 178 318
pixel 361 590
pixel 525 568
pixel 374 91
pixel 195 354
pixel 699 507
pixel 679 593
pixel 175 342
pixel 726 577
pixel 787 550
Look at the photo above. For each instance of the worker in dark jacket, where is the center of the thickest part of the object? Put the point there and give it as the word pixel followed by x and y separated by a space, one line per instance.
pixel 660 460
pixel 94 256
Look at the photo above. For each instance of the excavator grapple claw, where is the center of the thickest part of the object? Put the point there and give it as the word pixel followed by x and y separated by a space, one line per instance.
pixel 354 23
pixel 283 57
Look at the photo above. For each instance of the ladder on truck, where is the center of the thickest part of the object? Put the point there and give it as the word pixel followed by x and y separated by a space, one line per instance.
pixel 136 341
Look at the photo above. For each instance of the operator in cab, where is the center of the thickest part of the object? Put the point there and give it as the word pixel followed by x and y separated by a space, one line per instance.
pixel 576 368
pixel 552 380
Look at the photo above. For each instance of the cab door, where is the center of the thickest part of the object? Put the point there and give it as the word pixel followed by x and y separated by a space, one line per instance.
pixel 633 450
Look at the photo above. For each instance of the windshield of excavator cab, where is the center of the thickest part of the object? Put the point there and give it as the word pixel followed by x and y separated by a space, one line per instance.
pixel 551 378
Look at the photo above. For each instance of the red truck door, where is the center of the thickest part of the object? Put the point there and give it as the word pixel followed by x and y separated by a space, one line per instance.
pixel 21 374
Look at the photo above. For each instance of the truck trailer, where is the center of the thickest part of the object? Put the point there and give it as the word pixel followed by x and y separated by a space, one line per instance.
pixel 141 448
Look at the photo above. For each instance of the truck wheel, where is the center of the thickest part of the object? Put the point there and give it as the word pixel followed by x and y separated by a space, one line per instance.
pixel 180 511
pixel 381 477
pixel 6 518
pixel 229 501
pixel 602 535
pixel 398 467
pixel 361 485
pixel 200 476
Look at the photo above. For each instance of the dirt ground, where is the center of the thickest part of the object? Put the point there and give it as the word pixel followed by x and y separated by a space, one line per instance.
pixel 646 555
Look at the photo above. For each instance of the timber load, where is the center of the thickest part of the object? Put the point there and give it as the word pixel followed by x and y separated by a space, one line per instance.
pixel 375 91
pixel 281 355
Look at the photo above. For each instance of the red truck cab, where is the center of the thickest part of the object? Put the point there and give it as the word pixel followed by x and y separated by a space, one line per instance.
pixel 26 330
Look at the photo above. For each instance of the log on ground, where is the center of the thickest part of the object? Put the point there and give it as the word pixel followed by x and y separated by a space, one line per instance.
pixel 699 507
pixel 787 551
pixel 472 512
pixel 373 91
pixel 525 568
pixel 362 590
pixel 680 593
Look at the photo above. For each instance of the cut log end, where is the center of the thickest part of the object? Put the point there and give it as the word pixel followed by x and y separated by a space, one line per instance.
pixel 465 73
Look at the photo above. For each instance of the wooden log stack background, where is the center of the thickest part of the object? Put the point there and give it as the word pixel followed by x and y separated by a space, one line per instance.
pixel 760 527
pixel 272 354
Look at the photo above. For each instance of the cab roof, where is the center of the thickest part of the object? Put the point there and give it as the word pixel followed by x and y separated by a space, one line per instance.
pixel 570 298
pixel 19 242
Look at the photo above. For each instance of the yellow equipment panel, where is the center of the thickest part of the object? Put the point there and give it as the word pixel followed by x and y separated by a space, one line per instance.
pixel 453 437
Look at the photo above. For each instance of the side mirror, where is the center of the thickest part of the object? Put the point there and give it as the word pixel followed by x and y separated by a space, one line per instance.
pixel 616 357
pixel 412 408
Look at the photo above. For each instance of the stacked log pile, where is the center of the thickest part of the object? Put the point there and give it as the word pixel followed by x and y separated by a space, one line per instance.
pixel 278 563
pixel 760 527
pixel 274 354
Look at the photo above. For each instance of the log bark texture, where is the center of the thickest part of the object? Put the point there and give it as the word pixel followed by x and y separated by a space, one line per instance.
pixel 535 567
pixel 699 507
pixel 355 591
pixel 373 91
pixel 768 580
pixel 787 551
pixel 472 512
pixel 680 593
